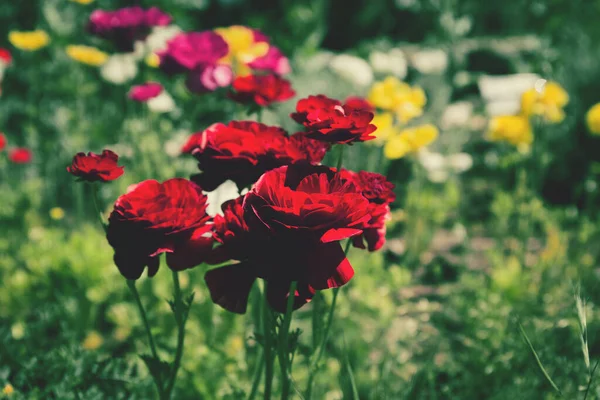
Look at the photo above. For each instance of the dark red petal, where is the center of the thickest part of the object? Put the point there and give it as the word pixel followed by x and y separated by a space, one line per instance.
pixel 230 286
pixel 191 253
pixel 278 293
pixel 334 235
pixel 328 267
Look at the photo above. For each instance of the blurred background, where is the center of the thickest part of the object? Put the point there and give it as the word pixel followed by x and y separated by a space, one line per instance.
pixel 495 223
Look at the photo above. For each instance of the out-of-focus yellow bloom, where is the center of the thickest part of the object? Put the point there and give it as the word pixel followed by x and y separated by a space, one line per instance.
pixel 593 119
pixel 385 128
pixel 57 213
pixel 8 389
pixel 92 341
pixel 29 40
pixel 242 47
pixel 392 94
pixel 152 60
pixel 410 140
pixel 514 129
pixel 87 55
pixel 547 102
pixel 82 1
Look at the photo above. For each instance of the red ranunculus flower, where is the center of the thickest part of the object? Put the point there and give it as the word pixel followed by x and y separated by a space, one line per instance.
pixel 243 150
pixel 2 141
pixel 143 93
pixel 312 150
pixel 380 193
pixel 126 25
pixel 20 155
pixel 288 229
pixel 154 218
pixel 359 103
pixel 262 90
pixel 96 167
pixel 325 119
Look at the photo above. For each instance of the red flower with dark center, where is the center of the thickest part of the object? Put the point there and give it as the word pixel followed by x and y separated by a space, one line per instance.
pixel 96 167
pixel 2 141
pixel 154 218
pixel 325 119
pixel 380 193
pixel 294 218
pixel 359 103
pixel 263 90
pixel 20 155
pixel 143 93
pixel 126 25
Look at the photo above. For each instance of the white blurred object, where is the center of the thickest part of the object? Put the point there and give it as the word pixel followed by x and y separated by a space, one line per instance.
pixel 316 62
pixel 392 62
pixel 175 143
pixel 431 160
pixel 227 191
pixel 432 61
pixel 162 103
pixel 119 68
pixel 459 162
pixel 160 35
pixel 456 115
pixel 502 94
pixel 353 69
pixel 438 176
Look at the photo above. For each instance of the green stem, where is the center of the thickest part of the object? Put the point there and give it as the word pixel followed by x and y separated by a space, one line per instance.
pixel 98 210
pixel 138 301
pixel 268 347
pixel 340 156
pixel 257 375
pixel 181 312
pixel 284 331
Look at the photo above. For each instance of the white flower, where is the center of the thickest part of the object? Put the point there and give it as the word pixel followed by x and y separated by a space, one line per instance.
pixel 160 35
pixel 430 160
pixel 392 62
pixel 456 115
pixel 438 176
pixel 227 191
pixel 433 61
pixel 502 94
pixel 173 146
pixel 353 69
pixel 119 68
pixel 162 103
pixel 460 162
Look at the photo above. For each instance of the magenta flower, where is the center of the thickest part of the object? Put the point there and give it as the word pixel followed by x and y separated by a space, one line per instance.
pixel 144 92
pixel 209 77
pixel 274 61
pixel 126 25
pixel 188 51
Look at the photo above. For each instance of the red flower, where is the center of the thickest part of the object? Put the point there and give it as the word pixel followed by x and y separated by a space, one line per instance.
pixel 327 120
pixel 287 229
pixel 312 150
pixel 359 103
pixel 126 25
pixel 5 56
pixel 20 155
pixel 145 92
pixel 380 193
pixel 96 167
pixel 242 151
pixel 262 90
pixel 2 141
pixel 154 218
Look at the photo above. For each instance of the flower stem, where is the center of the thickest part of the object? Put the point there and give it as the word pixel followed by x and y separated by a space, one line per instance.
pixel 138 301
pixel 98 210
pixel 181 311
pixel 284 331
pixel 314 365
pixel 257 376
pixel 268 347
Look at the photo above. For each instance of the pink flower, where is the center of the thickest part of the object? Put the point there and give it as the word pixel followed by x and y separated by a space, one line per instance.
pixel 188 51
pixel 143 93
pixel 209 77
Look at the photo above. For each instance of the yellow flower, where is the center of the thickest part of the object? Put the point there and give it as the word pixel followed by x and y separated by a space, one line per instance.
pixel 593 119
pixel 87 55
pixel 392 94
pixel 410 140
pixel 82 1
pixel 514 129
pixel 152 60
pixel 29 40
pixel 8 389
pixel 57 213
pixel 92 341
pixel 385 127
pixel 242 47
pixel 547 102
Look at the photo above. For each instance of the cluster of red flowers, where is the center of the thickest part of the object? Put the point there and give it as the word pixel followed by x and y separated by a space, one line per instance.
pixel 289 225
pixel 17 155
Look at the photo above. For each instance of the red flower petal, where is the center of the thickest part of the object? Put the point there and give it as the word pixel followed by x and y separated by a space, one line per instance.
pixel 230 286
pixel 334 235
